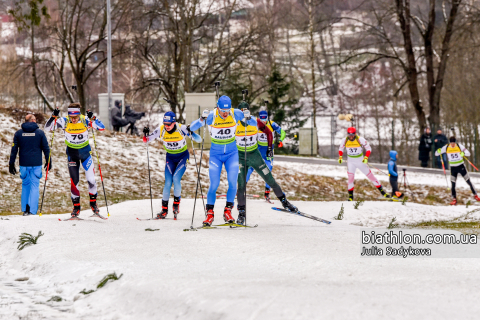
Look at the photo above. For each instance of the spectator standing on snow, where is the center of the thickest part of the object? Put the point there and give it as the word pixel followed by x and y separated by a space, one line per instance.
pixel 425 147
pixel 440 140
pixel 117 120
pixel 29 142
pixel 393 176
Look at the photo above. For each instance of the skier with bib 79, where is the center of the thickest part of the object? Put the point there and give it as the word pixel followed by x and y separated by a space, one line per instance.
pixel 455 154
pixel 355 145
pixel 222 124
pixel 173 135
pixel 75 127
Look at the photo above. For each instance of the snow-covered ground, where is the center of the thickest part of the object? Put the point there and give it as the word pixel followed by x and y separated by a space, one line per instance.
pixel 289 267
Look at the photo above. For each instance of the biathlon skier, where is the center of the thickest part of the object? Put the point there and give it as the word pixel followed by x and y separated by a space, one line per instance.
pixel 222 123
pixel 263 146
pixel 75 127
pixel 255 161
pixel 455 154
pixel 355 145
pixel 175 144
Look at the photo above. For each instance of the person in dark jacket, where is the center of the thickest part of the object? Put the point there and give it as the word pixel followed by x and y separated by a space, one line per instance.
pixel 440 140
pixel 132 117
pixel 117 120
pixel 425 147
pixel 393 174
pixel 29 142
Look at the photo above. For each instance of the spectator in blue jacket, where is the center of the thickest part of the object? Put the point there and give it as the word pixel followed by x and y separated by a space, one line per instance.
pixel 393 174
pixel 30 141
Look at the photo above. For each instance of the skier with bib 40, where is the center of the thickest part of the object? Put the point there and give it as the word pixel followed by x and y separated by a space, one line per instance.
pixel 455 154
pixel 249 137
pixel 75 127
pixel 175 144
pixel 222 124
pixel 263 145
pixel 355 145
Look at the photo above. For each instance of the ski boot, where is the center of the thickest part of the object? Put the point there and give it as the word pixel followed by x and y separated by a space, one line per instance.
pixel 176 207
pixel 163 214
pixel 242 215
pixel 477 197
pixel 76 207
pixel 287 205
pixel 384 194
pixel 93 204
pixel 227 213
pixel 267 194
pixel 454 202
pixel 350 195
pixel 27 211
pixel 209 220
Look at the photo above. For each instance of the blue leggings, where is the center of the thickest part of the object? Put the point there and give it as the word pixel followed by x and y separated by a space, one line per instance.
pixel 230 160
pixel 174 170
pixel 269 164
pixel 30 183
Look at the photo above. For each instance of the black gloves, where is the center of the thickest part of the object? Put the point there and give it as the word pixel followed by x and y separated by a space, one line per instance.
pixel 46 165
pixel 269 152
pixel 188 128
pixel 11 168
pixel 90 114
pixel 146 131
pixel 56 112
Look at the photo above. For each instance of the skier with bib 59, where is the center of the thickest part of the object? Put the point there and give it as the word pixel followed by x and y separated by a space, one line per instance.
pixel 355 145
pixel 75 127
pixel 175 144
pixel 455 154
pixel 222 124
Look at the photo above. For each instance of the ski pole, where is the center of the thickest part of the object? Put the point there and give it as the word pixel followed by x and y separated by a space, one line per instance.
pixel 149 179
pixel 198 173
pixel 376 168
pixel 444 172
pixel 99 167
pixel 470 163
pixel 198 179
pixel 48 166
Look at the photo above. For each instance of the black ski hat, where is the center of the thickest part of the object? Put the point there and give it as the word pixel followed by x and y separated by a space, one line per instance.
pixel 453 139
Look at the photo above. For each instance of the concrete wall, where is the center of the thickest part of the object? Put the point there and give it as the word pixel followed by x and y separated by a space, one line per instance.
pixel 307 138
pixel 104 112
pixel 195 103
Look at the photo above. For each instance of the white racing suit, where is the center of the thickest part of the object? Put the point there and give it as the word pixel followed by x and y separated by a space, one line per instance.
pixel 355 157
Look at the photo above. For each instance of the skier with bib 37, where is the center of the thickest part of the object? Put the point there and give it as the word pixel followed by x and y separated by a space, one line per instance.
pixel 248 137
pixel 175 144
pixel 263 145
pixel 222 124
pixel 356 160
pixel 455 153
pixel 75 127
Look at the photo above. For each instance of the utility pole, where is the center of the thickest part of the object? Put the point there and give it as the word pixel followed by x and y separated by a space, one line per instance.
pixel 109 59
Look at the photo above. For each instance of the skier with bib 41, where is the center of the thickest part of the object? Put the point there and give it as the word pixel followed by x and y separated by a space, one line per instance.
pixel 175 144
pixel 355 145
pixel 75 127
pixel 247 137
pixel 222 124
